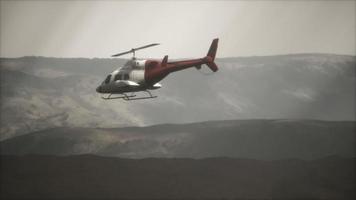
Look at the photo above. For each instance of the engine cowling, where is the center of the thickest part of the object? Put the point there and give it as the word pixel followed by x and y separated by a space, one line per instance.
pixel 139 63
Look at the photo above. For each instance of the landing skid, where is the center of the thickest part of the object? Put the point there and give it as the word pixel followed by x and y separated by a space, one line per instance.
pixel 131 97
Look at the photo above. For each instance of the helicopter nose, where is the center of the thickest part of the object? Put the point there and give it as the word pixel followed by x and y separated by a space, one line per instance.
pixel 98 89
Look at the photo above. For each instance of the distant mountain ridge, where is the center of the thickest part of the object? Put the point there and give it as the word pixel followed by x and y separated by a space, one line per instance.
pixel 253 139
pixel 38 93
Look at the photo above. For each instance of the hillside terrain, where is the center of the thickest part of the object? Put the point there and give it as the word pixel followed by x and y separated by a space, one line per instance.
pixel 38 93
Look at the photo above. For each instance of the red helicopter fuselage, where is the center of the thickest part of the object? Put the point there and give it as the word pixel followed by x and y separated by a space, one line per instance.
pixel 143 75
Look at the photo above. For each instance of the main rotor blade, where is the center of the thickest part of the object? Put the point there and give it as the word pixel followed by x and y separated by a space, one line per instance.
pixel 146 46
pixel 123 53
pixel 135 49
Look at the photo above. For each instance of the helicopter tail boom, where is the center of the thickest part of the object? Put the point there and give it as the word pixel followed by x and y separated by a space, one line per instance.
pixel 208 60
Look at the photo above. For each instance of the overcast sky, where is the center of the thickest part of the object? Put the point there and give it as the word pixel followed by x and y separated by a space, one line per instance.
pixel 185 29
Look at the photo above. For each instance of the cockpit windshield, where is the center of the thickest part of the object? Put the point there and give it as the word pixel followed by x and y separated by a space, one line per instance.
pixel 107 80
pixel 122 76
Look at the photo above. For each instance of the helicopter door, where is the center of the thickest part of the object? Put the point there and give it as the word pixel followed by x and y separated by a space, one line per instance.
pixel 118 77
pixel 137 76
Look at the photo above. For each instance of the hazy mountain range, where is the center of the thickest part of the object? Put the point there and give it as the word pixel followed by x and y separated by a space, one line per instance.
pixel 38 93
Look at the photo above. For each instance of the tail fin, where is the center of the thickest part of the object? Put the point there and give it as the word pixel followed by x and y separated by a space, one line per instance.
pixel 212 66
pixel 213 48
pixel 164 61
pixel 211 55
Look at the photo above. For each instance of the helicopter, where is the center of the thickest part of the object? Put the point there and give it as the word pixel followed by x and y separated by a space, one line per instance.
pixel 142 75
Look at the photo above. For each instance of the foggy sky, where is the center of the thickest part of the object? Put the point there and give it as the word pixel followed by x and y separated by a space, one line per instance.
pixel 185 29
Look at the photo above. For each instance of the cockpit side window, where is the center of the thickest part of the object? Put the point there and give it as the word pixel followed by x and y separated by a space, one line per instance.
pixel 118 76
pixel 107 80
pixel 126 76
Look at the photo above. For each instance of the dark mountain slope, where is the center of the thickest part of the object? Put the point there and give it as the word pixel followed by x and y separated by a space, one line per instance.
pixel 92 177
pixel 257 139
